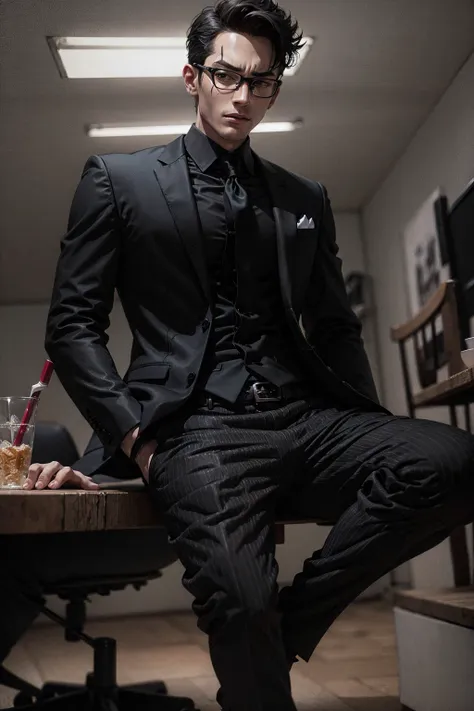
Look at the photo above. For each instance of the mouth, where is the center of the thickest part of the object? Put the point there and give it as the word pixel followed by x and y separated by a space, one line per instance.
pixel 236 117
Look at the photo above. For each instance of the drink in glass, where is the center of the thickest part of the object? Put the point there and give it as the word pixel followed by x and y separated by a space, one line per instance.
pixel 16 441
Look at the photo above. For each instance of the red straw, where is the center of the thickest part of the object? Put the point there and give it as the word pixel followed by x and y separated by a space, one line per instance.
pixel 36 391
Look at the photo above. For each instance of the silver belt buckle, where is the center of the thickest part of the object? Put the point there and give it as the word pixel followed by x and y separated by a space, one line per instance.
pixel 261 392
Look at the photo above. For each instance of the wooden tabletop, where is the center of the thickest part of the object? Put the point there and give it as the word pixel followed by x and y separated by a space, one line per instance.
pixel 103 510
pixel 74 510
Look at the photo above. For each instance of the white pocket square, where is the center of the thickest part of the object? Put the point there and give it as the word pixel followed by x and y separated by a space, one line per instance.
pixel 305 224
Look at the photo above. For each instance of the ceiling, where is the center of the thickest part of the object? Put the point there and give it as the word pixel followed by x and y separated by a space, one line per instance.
pixel 375 72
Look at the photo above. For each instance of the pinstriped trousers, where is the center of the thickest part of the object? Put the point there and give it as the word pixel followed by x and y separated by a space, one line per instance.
pixel 396 487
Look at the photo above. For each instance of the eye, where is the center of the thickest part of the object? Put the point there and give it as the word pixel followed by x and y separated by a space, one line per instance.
pixel 262 83
pixel 226 77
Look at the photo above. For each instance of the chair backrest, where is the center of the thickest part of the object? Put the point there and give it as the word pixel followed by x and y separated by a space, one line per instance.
pixel 53 442
pixel 435 339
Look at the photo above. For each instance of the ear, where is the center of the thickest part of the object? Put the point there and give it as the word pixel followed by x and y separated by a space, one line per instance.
pixel 191 79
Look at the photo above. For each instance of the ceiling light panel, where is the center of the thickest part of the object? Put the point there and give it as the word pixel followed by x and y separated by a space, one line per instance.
pixel 128 57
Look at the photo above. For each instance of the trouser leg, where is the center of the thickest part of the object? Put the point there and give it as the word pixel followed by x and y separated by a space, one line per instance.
pixel 216 482
pixel 398 487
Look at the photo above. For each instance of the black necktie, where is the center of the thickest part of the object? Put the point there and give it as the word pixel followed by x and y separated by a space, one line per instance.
pixel 235 193
pixel 239 212
pixel 241 232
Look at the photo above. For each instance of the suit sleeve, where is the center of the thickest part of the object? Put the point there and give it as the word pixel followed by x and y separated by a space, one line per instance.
pixel 82 299
pixel 95 463
pixel 330 324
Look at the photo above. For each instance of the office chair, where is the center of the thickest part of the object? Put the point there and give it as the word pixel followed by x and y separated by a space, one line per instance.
pixel 105 567
pixel 101 691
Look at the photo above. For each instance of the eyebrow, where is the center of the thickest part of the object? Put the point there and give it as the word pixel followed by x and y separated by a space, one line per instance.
pixel 240 70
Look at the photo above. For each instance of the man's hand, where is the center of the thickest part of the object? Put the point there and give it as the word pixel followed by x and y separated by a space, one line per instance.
pixel 53 475
pixel 145 453
pixel 144 456
pixel 129 441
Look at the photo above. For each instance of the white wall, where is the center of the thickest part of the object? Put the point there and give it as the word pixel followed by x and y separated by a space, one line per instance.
pixel 21 358
pixel 440 154
pixel 352 253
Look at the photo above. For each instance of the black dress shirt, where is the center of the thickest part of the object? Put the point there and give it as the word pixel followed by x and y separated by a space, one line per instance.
pixel 249 335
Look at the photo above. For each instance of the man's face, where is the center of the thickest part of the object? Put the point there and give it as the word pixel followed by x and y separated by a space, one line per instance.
pixel 228 116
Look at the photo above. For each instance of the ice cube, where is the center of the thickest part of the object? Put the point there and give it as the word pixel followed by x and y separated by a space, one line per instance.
pixel 4 444
pixel 14 421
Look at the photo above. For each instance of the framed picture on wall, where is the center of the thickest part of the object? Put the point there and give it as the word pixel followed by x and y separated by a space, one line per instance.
pixel 424 265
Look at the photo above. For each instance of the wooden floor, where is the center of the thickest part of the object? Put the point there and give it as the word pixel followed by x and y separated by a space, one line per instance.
pixel 354 667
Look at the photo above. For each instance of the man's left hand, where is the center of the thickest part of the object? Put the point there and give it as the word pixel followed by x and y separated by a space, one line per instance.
pixel 53 476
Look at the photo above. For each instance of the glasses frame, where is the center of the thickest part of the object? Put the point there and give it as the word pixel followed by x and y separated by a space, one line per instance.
pixel 243 80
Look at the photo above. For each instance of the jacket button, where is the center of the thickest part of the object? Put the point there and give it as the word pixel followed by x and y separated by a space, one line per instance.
pixel 191 378
pixel 205 325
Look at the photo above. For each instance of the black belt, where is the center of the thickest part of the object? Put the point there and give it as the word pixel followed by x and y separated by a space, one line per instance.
pixel 260 394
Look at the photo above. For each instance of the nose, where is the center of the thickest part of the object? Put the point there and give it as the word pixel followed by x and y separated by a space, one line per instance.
pixel 242 94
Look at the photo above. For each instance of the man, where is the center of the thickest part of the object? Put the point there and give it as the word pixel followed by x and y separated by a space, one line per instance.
pixel 232 412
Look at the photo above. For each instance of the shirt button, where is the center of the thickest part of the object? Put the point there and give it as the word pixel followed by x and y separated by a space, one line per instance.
pixel 205 325
pixel 191 378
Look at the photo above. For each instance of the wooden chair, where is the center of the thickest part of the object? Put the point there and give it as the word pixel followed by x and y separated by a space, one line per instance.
pixel 442 379
pixel 433 349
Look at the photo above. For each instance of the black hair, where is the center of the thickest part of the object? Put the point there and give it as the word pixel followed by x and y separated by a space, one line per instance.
pixel 259 18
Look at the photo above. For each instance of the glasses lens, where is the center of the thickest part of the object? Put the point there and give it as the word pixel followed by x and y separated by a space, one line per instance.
pixel 226 80
pixel 230 81
pixel 264 88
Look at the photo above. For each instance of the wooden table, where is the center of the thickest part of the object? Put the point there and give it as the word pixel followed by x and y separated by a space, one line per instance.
pixel 77 510
pixel 74 510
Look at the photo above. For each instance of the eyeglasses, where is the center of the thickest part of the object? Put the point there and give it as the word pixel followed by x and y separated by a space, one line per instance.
pixel 228 81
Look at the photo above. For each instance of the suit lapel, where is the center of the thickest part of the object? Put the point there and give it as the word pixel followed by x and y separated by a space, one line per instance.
pixel 296 248
pixel 286 233
pixel 173 178
pixel 285 223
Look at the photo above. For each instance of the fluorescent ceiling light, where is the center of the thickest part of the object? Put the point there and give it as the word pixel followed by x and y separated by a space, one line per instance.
pixel 119 57
pixel 101 131
pixel 127 57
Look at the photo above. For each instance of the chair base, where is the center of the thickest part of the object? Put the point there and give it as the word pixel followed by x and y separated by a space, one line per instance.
pixel 115 699
pixel 59 688
pixel 8 678
pixel 101 691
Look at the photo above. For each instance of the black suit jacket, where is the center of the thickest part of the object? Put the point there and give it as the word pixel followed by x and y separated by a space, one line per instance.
pixel 133 226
